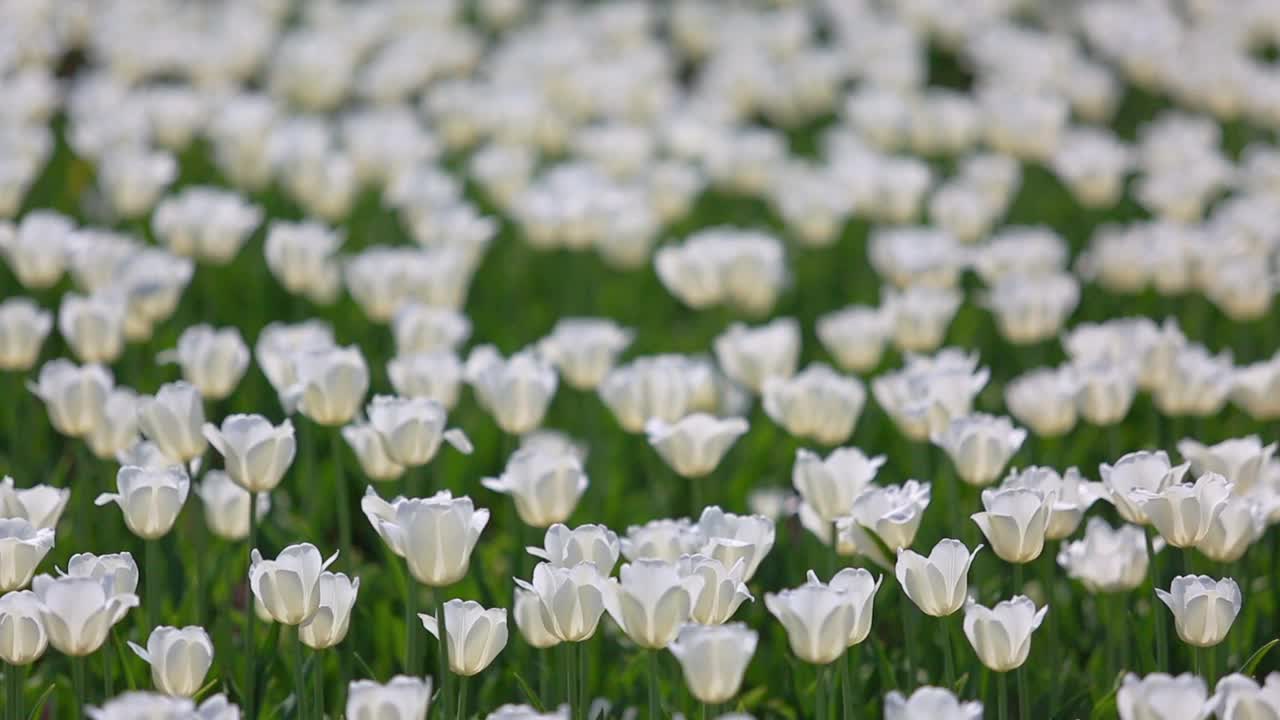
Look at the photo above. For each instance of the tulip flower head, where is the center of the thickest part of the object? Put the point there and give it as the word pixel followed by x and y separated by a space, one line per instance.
pixel 516 391
pixel 22 547
pixel 41 505
pixel 330 385
pixel 288 588
pixel 1107 560
pixel 329 625
pixel 1239 460
pixel 570 600
pixel 651 600
pixel 722 591
pixel 585 349
pixel 403 698
pixel 23 329
pixel 855 336
pixel 659 387
pixel 1044 400
pixel 938 584
pixel 546 486
pixel 179 659
pixel 527 611
pixel 279 345
pixel 150 499
pixel 436 375
pixel 1241 522
pixel 1185 513
pixel 1015 520
pixel 93 326
pixel 436 534
pixel 1239 697
pixel 173 419
pixel 714 658
pixel 930 703
pixel 1073 495
pixel 980 446
pixel 23 638
pixel 117 570
pixel 728 537
pixel 662 540
pixel 1203 608
pixel 366 444
pixel 595 544
pixel 74 396
pixel 226 505
pixel 1162 696
pixel 694 445
pixel 1001 635
pixel 135 705
pixel 78 612
pixel 817 404
pixel 892 512
pixel 256 453
pixel 1134 474
pixel 751 355
pixel 411 429
pixel 819 620
pixel 118 430
pixel 476 635
pixel 212 360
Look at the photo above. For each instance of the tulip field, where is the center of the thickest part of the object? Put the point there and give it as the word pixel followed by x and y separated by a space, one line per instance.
pixel 510 360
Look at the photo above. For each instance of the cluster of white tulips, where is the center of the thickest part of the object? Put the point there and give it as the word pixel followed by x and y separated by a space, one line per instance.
pixel 973 274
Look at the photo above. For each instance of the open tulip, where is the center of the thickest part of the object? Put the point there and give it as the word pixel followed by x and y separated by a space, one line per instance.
pixel 329 625
pixel 516 391
pixel 436 534
pixel 714 658
pixel 1184 513
pixel 289 586
pixel 661 540
pixel 117 570
pixel 78 612
pixel 1203 608
pixel 149 498
pixel 403 698
pixel 436 375
pixel 817 403
pixel 179 659
pixel 830 485
pixel 819 620
pixel 528 615
pixel 173 419
pixel 74 396
pixel 1001 635
pixel 751 355
pixel 930 703
pixel 476 635
pixel 1107 560
pixel 23 329
pixel 1240 460
pixel 595 544
pixel 1162 696
pixel 411 429
pixel 892 512
pixel 1073 495
pixel 651 600
pixel 226 505
pixel 41 505
pixel 585 349
pixel 980 446
pixel 1239 697
pixel 256 453
pixel 23 637
pixel 22 547
pixel 939 584
pixel 1014 521
pixel 570 600
pixel 211 360
pixel 329 385
pixel 727 537
pixel 723 589
pixel 1134 474
pixel 694 445
pixel 545 485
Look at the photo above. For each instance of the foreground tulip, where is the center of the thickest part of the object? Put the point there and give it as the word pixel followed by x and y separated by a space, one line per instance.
pixel 1203 608
pixel 527 611
pixel 1161 696
pixel 436 535
pixel 179 659
pixel 546 486
pixel 1136 473
pixel 403 698
pixel 819 620
pixel 585 349
pixel 595 544
pixel 150 499
pixel 256 453
pixel 366 445
pixel 136 705
pixel 475 635
pixel 1239 697
pixel 728 537
pixel 329 625
pixel 651 600
pixel 930 703
pixel 22 547
pixel 118 571
pixel 892 512
pixel 694 445
pixel 23 637
pixel 118 430
pixel 1001 635
pixel 23 329
pixel 830 485
pixel 516 391
pixel 526 712
pixel 289 586
pixel 1073 495
pixel 41 505
pixel 173 419
pixel 330 385
pixel 1107 560
pixel 1241 522
pixel 980 446
pixel 722 591
pixel 714 658
pixel 78 612
pixel 226 505
pixel 939 584
pixel 411 429
pixel 73 395
pixel 817 404
pixel 1184 514
pixel 1014 521
pixel 211 360
pixel 571 600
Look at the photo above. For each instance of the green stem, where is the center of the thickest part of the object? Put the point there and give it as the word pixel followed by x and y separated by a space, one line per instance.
pixel 1017 579
pixel 442 648
pixel 544 679
pixel 948 654
pixel 13 696
pixel 581 711
pixel 77 681
pixel 1162 638
pixel 1002 696
pixel 250 621
pixel 317 684
pixel 154 597
pixel 108 684
pixel 410 636
pixel 299 680
pixel 1024 699
pixel 462 697
pixel 846 683
pixel 344 504
pixel 654 702
pixel 907 609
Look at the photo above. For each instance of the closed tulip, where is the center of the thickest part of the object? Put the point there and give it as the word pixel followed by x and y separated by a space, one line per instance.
pixel 280 344
pixel 816 404
pixel 256 453
pixel 694 445
pixel 651 600
pixel 23 329
pixel 475 635
pixel 921 315
pixel 1001 635
pixel 329 625
pixel 422 328
pixel 1134 474
pixel 1241 522
pixel 585 349
pixel 289 586
pixel 1239 697
pixel 1203 608
pixel 929 392
pixel 1015 521
pixel 1044 400
pixel 1105 389
pixel 78 612
pixel 516 391
pixel 1162 696
pixel 173 419
pixel 118 430
pixel 330 384
pixel 728 537
pixel 1108 559
pixel 859 589
pixel 73 395
pixel 372 455
pixel 23 638
pixel 22 547
pixel 750 355
pixel 436 534
pixel 818 618
pixel 980 446
pixel 527 609
pixel 41 505
pixel 595 544
pixel 118 571
pixel 892 512
pixel 546 486
pixel 411 429
pixel 1073 495
pixel 938 584
pixel 149 498
pixel 570 600
pixel 660 386
pixel 1183 513
pixel 93 326
pixel 722 591
pixel 1239 460
pixel 714 658
pixel 37 251
pixel 436 375
pixel 212 360
pixel 855 336
pixel 179 659
pixel 930 703
pixel 661 540
pixel 226 505
pixel 403 698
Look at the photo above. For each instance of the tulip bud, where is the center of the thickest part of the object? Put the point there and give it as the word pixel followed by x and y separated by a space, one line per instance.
pixel 41 505
pixel 93 326
pixel 289 586
pixel 939 584
pixel 179 659
pixel 414 528
pixel 855 336
pixel 570 600
pixel 78 612
pixel 819 620
pixel 1183 513
pixel 404 698
pixel 651 601
pixel 1073 495
pixel 1161 696
pixel 255 453
pixel 1001 636
pixel 330 384
pixel 831 485
pixel 750 355
pixel 1107 560
pixel 118 430
pixel 329 625
pixel 723 589
pixel 1239 460
pixel 23 638
pixel 817 404
pixel 584 349
pixel 173 419
pixel 930 703
pixel 980 446
pixel 516 391
pixel 226 505
pixel 1241 522
pixel 150 499
pixel 211 360
pixel 1043 400
pixel 714 659
pixel 435 375
pixel 476 635
pixel 301 257
pixel 22 547
pixel 1203 608
pixel 1134 474
pixel 546 486
pixel 23 329
pixel 371 453
pixel 73 396
pixel 1105 390
pixel 411 429
pixel 694 445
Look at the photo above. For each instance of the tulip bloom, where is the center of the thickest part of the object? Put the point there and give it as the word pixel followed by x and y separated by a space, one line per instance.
pixel 595 544
pixel 150 499
pixel 723 589
pixel 714 658
pixel 41 505
pixel 585 349
pixel 1135 473
pixel 256 454
pixel 1107 560
pixel 173 419
pixel 78 612
pixel 212 360
pixel 22 547
pixel 1044 400
pixel 436 375
pixel 659 386
pixel 227 504
pixel 855 336
pixel 1239 697
pixel 817 404
pixel 751 355
pixel 288 587
pixel 546 486
pixel 939 584
pixel 694 445
pixel 1073 495
pixel 1203 608
pixel 23 329
pixel 528 615
pixel 403 698
pixel 372 455
pixel 727 537
pixel 476 635
pixel 980 446
pixel 516 391
pixel 118 430
pixel 179 659
pixel 93 326
pixel 1184 514
pixel 1001 636
pixel 819 620
pixel 329 625
pixel 330 384
pixel 411 429
pixel 1015 521
pixel 436 534
pixel 1161 696
pixel 73 395
pixel 23 637
pixel 571 600
pixel 892 512
pixel 1240 460
pixel 136 704
pixel 930 703
pixel 830 485
pixel 651 600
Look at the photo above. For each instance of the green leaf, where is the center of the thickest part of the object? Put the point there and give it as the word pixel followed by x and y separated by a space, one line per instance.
pixel 1251 664
pixel 529 694
pixel 1106 705
pixel 37 710
pixel 364 666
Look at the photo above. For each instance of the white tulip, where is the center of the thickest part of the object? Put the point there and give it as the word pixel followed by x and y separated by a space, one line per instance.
pixel 93 325
pixel 585 349
pixel 330 384
pixel 525 712
pixel 694 445
pixel 74 396
pixel 1001 635
pixel 436 534
pixel 23 638
pixel 1107 560
pixel 1203 608
pixel 723 588
pixel 22 547
pixel 41 505
pixel 728 537
pixel 516 391
pixel 751 355
pixel 1239 460
pixel 279 344
pixel 436 375
pixel 817 404
pixel 139 705
pixel 256 453
pixel 118 430
pixel 476 635
pixel 118 571
pixel 659 386
pixel 930 703
pixel 1134 474
pixel 37 249
pixel 150 499
pixel 1044 400
pixel 78 612
pixel 173 419
pixel 422 328
pixel 570 600
pixel 929 392
pixel 819 620
pixel 860 590
pixel 892 512
pixel 366 444
pixel 23 329
pixel 714 658
pixel 211 360
pixel 226 505
pixel 329 625
pixel 403 698
pixel 651 600
pixel 921 315
pixel 1239 697
pixel 661 540
pixel 939 584
pixel 855 336
pixel 179 659
pixel 1015 521
pixel 1241 522
pixel 527 610
pixel 1073 495
pixel 980 446
pixel 411 429
pixel 1162 696
pixel 289 586
pixel 1183 513
pixel 1105 389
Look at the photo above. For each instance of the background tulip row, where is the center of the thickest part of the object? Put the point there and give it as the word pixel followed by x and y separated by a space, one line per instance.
pixel 294 452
